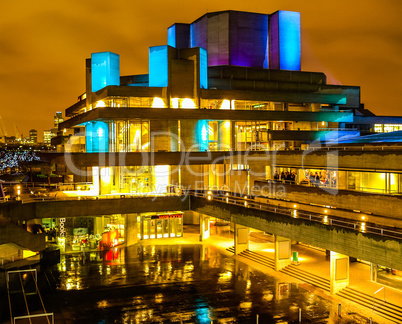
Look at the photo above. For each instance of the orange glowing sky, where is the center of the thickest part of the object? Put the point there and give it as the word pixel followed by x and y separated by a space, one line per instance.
pixel 44 44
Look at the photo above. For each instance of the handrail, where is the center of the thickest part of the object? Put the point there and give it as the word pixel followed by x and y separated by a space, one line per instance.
pixel 382 288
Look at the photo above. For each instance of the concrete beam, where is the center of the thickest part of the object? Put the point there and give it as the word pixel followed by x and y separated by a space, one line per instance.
pixel 91 207
pixel 213 114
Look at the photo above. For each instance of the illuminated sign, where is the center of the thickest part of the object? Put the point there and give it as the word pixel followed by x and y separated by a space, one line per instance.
pixel 166 216
pixel 62 229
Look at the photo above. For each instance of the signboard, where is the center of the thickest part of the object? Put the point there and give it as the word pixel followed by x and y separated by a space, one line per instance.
pixel 166 216
pixel 62 229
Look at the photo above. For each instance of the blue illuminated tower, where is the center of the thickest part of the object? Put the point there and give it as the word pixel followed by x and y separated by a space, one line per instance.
pixel 105 68
pixel 285 40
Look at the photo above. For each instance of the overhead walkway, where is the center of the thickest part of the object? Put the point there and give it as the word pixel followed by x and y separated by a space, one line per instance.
pixel 366 241
pixel 11 233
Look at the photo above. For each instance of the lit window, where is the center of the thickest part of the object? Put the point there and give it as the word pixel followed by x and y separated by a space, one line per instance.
pixel 158 103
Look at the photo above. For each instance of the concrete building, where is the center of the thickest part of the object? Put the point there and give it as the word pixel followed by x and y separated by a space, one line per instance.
pixel 47 136
pixel 226 111
pixel 58 118
pixel 33 136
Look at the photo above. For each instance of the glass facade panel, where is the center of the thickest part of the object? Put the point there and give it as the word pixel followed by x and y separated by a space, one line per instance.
pixel 160 225
pixel 129 136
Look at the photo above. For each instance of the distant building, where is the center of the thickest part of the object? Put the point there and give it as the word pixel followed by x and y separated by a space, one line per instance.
pixel 33 136
pixel 47 136
pixel 58 118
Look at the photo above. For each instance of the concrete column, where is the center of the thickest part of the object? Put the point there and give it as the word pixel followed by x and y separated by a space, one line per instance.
pixel 190 217
pixel 204 227
pixel 188 129
pixel 339 272
pixel 241 239
pixel 373 272
pixel 98 225
pixel 283 255
pixel 131 229
pixel 160 136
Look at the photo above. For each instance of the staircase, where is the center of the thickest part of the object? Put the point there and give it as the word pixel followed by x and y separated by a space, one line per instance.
pixel 252 256
pixel 12 233
pixel 387 310
pixel 312 279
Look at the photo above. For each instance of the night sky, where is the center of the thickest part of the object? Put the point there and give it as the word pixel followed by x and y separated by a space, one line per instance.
pixel 44 44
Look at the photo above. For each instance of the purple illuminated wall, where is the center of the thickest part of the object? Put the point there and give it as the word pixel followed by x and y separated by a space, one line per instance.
pixel 198 33
pixel 248 39
pixel 218 39
pixel 244 39
pixel 274 42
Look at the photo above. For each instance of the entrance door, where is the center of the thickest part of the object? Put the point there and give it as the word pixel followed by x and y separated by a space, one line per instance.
pixel 152 229
pixel 165 228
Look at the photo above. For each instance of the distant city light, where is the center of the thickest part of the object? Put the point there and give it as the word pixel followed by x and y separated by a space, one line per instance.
pixel 11 159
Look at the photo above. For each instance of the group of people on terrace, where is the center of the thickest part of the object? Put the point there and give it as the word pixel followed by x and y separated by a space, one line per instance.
pixel 315 178
pixel 289 177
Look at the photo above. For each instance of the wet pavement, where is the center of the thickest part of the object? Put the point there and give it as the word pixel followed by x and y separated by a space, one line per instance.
pixel 170 283
pixel 157 282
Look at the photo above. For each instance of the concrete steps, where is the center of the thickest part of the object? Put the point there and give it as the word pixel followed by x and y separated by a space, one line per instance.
pixel 252 256
pixel 263 260
pixel 383 308
pixel 231 249
pixel 312 279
